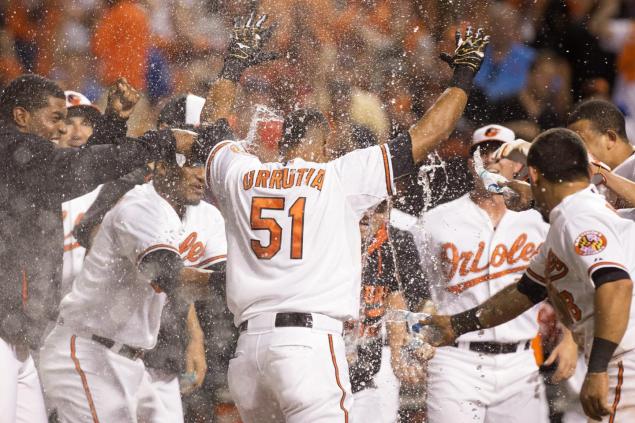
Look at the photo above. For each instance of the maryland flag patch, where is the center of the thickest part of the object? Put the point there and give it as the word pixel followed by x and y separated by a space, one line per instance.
pixel 589 243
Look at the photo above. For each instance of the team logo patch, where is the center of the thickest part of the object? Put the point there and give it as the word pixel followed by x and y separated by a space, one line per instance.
pixel 491 132
pixel 589 243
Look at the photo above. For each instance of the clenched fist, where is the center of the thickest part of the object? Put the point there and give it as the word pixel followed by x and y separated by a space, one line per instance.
pixel 122 97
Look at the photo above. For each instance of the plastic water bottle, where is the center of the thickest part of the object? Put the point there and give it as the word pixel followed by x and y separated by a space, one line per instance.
pixel 426 334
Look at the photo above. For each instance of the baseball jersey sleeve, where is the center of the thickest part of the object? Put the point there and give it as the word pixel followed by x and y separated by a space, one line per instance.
pixel 537 270
pixel 221 162
pixel 215 243
pixel 140 229
pixel 595 248
pixel 366 176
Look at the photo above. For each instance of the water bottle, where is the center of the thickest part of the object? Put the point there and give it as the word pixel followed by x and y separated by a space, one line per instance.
pixel 426 334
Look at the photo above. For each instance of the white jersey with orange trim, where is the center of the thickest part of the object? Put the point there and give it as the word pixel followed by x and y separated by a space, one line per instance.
pixel 72 213
pixel 586 235
pixel 110 297
pixel 467 260
pixel 292 229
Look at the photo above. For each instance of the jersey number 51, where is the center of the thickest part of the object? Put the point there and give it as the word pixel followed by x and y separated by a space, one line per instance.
pixel 271 225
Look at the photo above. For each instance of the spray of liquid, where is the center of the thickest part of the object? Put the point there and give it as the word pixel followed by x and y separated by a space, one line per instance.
pixel 262 116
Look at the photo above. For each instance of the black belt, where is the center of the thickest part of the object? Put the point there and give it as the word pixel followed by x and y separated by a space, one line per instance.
pixel 495 347
pixel 285 320
pixel 126 350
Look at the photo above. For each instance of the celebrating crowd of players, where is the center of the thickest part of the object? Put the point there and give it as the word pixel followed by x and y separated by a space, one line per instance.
pixel 116 305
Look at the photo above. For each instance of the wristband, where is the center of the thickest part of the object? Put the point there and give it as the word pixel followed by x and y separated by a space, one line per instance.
pixel 462 78
pixel 232 70
pixel 601 353
pixel 465 322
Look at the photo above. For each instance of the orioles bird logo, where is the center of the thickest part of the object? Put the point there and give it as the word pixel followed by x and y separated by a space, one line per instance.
pixel 491 132
pixel 589 243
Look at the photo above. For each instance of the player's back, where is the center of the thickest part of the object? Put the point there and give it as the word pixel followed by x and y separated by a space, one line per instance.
pixel 292 229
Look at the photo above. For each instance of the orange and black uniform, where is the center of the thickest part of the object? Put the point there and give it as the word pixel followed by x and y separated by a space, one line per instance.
pixel 392 261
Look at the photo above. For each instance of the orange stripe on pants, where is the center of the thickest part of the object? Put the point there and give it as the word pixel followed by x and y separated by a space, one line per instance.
pixel 618 391
pixel 82 375
pixel 337 379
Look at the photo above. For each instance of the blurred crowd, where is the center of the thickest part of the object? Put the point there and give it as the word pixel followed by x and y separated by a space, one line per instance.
pixel 372 62
pixel 363 63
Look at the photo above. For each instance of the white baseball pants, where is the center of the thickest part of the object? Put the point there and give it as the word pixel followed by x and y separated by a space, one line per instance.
pixel 381 404
pixel 466 386
pixel 291 374
pixel 161 403
pixel 21 398
pixel 86 382
pixel 621 373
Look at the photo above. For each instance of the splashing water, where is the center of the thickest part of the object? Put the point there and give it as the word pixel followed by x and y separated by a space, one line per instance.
pixel 262 117
pixel 428 172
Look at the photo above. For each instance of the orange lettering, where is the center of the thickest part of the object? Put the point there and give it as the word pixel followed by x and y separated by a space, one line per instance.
pixel 516 247
pixel 318 181
pixel 465 258
pixel 474 268
pixel 261 179
pixel 288 176
pixel 452 256
pixel 276 179
pixel 248 180
pixel 499 255
pixel 528 251
pixel 190 248
pixel 309 175
pixel 301 173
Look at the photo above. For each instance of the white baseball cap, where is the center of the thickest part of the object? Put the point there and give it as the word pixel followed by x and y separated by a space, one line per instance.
pixel 73 98
pixel 493 133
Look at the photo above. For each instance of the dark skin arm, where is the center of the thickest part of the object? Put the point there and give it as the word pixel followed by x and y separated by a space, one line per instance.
pixel 506 305
pixel 438 123
pixel 612 304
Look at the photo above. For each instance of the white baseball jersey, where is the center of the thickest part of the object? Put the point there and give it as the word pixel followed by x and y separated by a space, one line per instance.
pixel 586 235
pixel 626 169
pixel 293 229
pixel 110 297
pixel 467 260
pixel 72 213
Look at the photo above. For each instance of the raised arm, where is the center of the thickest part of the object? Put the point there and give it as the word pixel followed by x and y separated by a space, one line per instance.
pixel 439 121
pixel 245 50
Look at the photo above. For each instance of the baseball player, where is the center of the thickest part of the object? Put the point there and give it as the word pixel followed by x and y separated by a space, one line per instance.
pixel 155 243
pixel 583 268
pixel 294 249
pixel 471 248
pixel 602 127
pixel 81 118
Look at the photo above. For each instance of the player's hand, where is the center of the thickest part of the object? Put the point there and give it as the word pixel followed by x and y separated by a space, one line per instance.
pixel 598 171
pixel 516 150
pixel 195 363
pixel 122 98
pixel 522 201
pixel 566 354
pixel 469 51
pixel 184 140
pixel 441 328
pixel 245 46
pixel 408 370
pixel 594 395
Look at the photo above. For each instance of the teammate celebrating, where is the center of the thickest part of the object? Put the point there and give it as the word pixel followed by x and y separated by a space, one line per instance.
pixel 294 249
pixel 470 249
pixel 584 269
pixel 156 241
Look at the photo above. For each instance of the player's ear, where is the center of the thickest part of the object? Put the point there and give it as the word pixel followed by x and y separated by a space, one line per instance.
pixel 21 117
pixel 612 138
pixel 534 175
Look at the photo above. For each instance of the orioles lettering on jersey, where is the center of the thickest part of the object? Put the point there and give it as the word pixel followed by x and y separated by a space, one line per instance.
pixel 284 178
pixel 469 262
